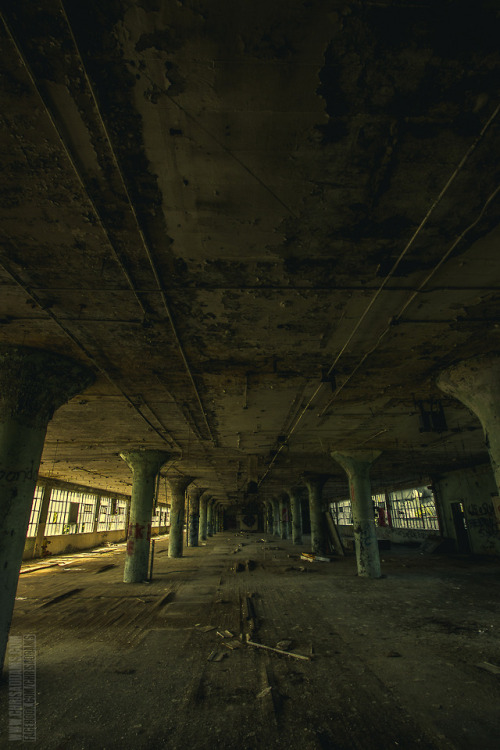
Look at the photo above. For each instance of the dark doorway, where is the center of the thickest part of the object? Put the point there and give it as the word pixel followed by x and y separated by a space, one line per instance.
pixel 460 523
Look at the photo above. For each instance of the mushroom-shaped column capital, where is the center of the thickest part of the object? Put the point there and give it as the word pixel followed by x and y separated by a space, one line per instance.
pixel 476 383
pixel 195 493
pixel 179 484
pixel 315 481
pixel 34 383
pixel 146 461
pixel 356 462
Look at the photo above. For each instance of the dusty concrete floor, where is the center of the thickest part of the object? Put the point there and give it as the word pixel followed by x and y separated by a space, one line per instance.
pixel 394 661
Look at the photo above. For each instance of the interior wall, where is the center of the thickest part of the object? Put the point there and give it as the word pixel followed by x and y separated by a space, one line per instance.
pixel 62 543
pixel 476 489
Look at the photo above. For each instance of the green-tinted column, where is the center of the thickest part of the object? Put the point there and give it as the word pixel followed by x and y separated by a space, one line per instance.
pixel 283 511
pixel 194 516
pixel 210 517
pixel 145 465
pixel 357 464
pixel 314 484
pixel 296 513
pixel 276 517
pixel 178 486
pixel 202 536
pixel 33 384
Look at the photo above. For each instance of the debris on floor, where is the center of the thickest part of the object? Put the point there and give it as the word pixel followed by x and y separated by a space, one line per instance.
pixel 216 655
pixel 276 650
pixel 315 558
pixel 204 628
pixel 489 667
pixel 264 692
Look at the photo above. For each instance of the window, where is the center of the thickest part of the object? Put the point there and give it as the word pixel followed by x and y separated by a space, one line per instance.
pixel 35 511
pixel 412 508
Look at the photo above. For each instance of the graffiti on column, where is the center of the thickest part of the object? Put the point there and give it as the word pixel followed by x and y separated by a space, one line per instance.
pixel 22 475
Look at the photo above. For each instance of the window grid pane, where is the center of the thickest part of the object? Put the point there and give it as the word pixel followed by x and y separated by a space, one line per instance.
pixel 35 512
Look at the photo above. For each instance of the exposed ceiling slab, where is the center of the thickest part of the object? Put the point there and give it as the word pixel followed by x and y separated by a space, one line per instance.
pixel 266 226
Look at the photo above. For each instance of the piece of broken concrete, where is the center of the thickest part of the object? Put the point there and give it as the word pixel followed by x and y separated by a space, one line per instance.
pixel 264 692
pixel 216 655
pixel 284 645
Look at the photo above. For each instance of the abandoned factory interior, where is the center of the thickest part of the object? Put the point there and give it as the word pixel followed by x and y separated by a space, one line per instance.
pixel 250 374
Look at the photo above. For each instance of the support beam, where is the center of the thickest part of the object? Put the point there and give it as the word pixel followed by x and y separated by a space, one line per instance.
pixel 315 484
pixel 357 464
pixel 276 517
pixel 33 384
pixel 178 486
pixel 145 465
pixel 476 383
pixel 269 517
pixel 202 537
pixel 215 506
pixel 294 494
pixel 283 509
pixel 210 517
pixel 194 516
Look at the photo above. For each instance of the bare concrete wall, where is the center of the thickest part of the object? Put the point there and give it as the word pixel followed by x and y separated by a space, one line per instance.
pixel 71 542
pixel 398 536
pixel 474 488
pixel 63 543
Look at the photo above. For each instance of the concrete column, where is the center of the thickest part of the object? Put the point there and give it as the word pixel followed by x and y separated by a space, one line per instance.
pixel 210 517
pixel 283 511
pixel 145 465
pixel 97 514
pixel 42 520
pixel 476 383
pixel 269 517
pixel 178 486
pixel 202 536
pixel 296 513
pixel 186 516
pixel 314 484
pixel 218 518
pixel 127 512
pixel 289 516
pixel 33 384
pixel 357 464
pixel 194 516
pixel 276 517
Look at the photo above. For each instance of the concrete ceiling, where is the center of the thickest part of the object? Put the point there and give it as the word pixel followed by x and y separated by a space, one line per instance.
pixel 219 205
